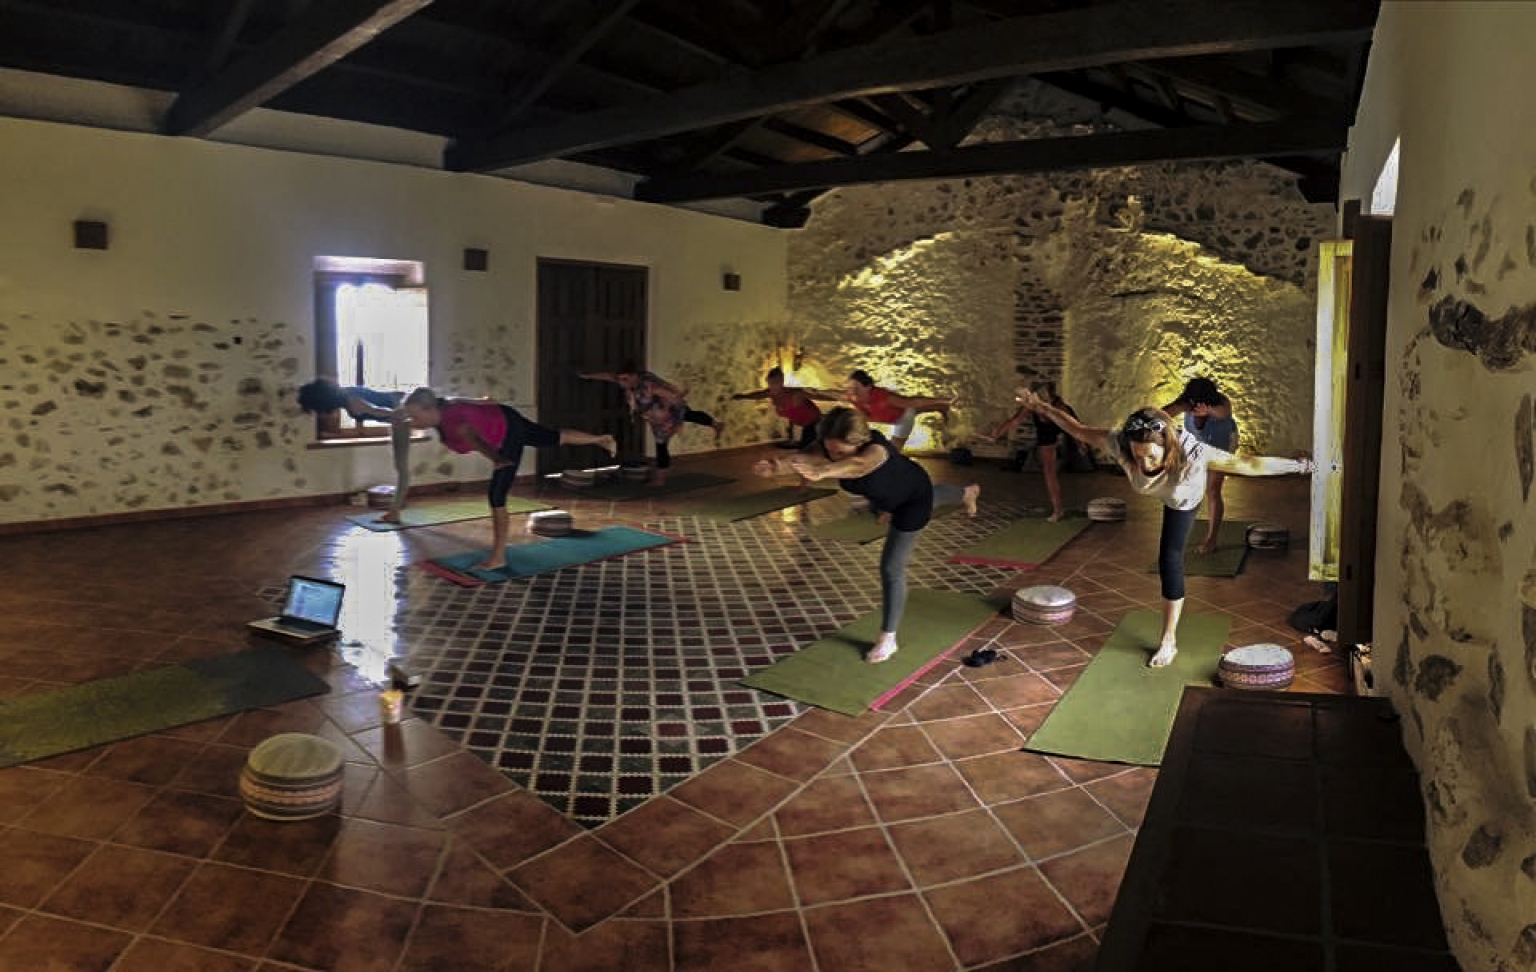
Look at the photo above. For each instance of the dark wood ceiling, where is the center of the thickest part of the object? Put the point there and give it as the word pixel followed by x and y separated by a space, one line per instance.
pixel 770 100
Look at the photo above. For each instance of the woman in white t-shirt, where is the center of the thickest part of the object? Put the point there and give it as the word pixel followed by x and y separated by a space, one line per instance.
pixel 1162 460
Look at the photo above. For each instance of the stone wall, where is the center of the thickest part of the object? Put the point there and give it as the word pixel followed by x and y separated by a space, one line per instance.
pixel 1119 284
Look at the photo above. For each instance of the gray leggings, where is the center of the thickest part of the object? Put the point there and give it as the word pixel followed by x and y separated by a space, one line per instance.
pixel 400 444
pixel 894 555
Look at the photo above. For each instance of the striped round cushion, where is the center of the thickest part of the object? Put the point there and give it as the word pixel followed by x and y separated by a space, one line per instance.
pixel 1046 604
pixel 1257 667
pixel 1106 509
pixel 549 523
pixel 1268 536
pixel 292 776
pixel 578 478
pixel 634 472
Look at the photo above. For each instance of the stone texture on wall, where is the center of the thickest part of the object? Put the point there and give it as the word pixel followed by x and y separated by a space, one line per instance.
pixel 1462 618
pixel 1119 284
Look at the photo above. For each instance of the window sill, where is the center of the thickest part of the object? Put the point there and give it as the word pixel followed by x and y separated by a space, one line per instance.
pixel 346 442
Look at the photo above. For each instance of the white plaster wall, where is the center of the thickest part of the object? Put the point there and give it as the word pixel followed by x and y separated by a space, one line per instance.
pixel 1455 609
pixel 160 373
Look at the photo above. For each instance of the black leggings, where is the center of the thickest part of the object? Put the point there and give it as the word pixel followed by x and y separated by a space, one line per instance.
pixel 520 433
pixel 1170 551
pixel 808 436
pixel 663 456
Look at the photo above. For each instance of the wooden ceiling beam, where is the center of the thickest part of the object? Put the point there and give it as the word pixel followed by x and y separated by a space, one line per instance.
pixel 325 34
pixel 1197 143
pixel 584 39
pixel 1119 31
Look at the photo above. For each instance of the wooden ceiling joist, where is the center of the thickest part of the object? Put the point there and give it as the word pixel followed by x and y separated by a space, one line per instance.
pixel 326 33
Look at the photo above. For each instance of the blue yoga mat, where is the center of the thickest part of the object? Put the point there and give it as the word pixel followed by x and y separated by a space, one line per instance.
pixel 553 553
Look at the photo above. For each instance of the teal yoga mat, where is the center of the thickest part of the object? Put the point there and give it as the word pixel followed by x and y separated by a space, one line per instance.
pixel 434 514
pixel 833 674
pixel 42 724
pixel 543 556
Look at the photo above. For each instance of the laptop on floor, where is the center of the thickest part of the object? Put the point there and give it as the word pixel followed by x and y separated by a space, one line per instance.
pixel 310 611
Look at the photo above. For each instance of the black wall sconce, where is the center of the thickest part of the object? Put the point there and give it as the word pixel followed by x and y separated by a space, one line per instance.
pixel 731 281
pixel 90 234
pixel 477 260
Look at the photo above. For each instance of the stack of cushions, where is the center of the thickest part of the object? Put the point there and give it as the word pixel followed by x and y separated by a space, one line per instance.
pixel 292 776
pixel 1106 509
pixel 549 523
pixel 1046 604
pixel 578 478
pixel 1268 536
pixel 381 496
pixel 1257 667
pixel 634 471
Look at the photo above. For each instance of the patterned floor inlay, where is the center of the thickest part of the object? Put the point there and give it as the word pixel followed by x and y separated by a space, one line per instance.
pixel 600 686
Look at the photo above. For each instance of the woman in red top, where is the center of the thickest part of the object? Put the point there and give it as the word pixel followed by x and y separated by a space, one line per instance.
pixel 888 408
pixel 498 432
pixel 795 405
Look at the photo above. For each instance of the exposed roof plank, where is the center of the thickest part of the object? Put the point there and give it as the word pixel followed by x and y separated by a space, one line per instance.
pixel 1125 30
pixel 324 35
pixel 531 89
pixel 1201 143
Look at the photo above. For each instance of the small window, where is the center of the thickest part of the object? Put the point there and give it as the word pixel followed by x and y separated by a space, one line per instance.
pixel 371 330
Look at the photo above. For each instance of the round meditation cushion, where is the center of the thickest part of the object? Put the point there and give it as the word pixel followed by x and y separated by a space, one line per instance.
pixel 292 776
pixel 549 523
pixel 1106 509
pixel 1045 604
pixel 1257 667
pixel 634 471
pixel 1268 536
pixel 578 478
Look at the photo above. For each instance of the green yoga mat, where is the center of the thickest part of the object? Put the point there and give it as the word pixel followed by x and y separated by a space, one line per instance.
pixel 833 674
pixel 42 724
pixel 756 504
pixel 862 527
pixel 1226 561
pixel 543 556
pixel 433 514
pixel 1119 710
pixel 619 490
pixel 1023 543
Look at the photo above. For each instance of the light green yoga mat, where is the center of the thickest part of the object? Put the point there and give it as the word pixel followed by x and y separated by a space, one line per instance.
pixel 756 504
pixel 677 482
pixel 434 514
pixel 1226 561
pixel 41 724
pixel 833 674
pixel 1023 543
pixel 862 527
pixel 1119 710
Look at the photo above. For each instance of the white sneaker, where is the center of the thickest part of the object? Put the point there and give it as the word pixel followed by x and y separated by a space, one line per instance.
pixel 883 649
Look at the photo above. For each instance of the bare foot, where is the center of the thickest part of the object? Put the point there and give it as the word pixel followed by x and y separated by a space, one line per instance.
pixel 883 649
pixel 1164 656
pixel 1055 517
pixel 491 564
pixel 1207 546
pixel 610 445
pixel 393 516
pixel 969 498
pixel 719 431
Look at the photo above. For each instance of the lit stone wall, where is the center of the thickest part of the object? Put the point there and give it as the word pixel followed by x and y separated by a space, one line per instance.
pixel 1455 606
pixel 160 373
pixel 1119 284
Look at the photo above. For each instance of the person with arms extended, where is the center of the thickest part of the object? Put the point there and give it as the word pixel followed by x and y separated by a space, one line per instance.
pixel 662 405
pixel 1208 417
pixel 885 407
pixel 1166 462
pixel 326 398
pixel 794 405
pixel 899 491
pixel 498 432
pixel 1047 435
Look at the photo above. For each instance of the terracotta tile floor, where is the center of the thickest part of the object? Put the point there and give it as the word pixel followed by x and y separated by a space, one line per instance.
pixel 919 838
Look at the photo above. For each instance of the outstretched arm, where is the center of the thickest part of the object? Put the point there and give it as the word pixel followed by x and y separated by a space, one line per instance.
pixel 997 430
pixel 826 394
pixel 746 396
pixel 599 376
pixel 1226 462
pixel 1087 434
pixel 920 402
pixel 363 409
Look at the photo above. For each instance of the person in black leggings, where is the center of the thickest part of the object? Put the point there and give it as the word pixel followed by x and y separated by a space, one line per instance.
pixel 1047 435
pixel 663 406
pixel 1162 460
pixel 865 463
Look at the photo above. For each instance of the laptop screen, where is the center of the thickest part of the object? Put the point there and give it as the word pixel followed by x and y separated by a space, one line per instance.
pixel 313 600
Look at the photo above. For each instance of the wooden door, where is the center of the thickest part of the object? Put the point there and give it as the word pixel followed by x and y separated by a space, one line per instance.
pixel 1360 475
pixel 592 317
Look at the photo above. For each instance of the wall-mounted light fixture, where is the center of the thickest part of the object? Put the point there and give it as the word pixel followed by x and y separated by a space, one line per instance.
pixel 477 260
pixel 730 281
pixel 90 234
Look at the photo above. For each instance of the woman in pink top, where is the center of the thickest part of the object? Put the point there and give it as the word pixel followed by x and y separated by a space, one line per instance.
pixel 796 405
pixel 498 432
